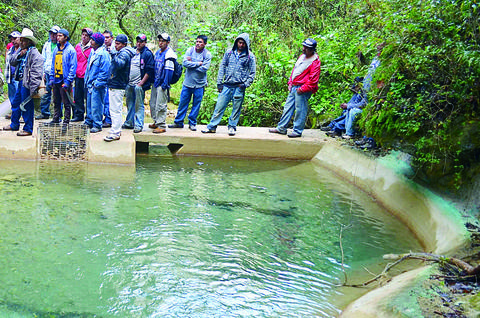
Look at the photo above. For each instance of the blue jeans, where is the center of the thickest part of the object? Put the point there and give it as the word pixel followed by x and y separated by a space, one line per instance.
pixel 185 97
pixel 234 94
pixel 299 104
pixel 21 94
pixel 349 120
pixel 45 101
pixel 95 106
pixel 12 89
pixel 106 109
pixel 135 96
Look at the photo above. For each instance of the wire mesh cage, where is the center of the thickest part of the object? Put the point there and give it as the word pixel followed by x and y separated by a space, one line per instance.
pixel 63 141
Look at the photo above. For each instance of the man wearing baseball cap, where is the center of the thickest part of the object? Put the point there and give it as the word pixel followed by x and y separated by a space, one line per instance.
pixel 47 51
pixel 302 84
pixel 83 49
pixel 10 69
pixel 142 73
pixel 62 75
pixel 164 67
pixel 119 76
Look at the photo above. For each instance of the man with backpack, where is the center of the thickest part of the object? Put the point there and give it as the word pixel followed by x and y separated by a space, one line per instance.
pixel 196 62
pixel 236 73
pixel 165 59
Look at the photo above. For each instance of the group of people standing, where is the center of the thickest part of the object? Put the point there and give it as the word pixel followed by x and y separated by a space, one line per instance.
pixel 104 70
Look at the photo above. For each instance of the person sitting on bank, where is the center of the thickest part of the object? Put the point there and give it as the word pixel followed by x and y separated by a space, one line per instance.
pixel 350 111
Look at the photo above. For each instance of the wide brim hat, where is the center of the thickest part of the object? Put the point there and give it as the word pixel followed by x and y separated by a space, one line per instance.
pixel 28 34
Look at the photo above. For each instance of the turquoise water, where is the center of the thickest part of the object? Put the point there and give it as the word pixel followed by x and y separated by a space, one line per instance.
pixel 183 237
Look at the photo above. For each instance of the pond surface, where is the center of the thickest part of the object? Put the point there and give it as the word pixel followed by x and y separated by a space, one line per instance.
pixel 183 237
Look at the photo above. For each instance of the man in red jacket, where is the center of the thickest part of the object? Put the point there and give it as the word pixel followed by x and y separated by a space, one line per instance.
pixel 302 84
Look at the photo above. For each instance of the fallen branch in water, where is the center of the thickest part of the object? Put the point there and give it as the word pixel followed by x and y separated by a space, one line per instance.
pixel 468 270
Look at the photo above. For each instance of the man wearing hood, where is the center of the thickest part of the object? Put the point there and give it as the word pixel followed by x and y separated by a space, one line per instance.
pixel 96 78
pixel 28 73
pixel 62 75
pixel 47 51
pixel 302 84
pixel 119 77
pixel 83 49
pixel 236 73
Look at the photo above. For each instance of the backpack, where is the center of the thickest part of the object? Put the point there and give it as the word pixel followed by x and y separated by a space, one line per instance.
pixel 177 71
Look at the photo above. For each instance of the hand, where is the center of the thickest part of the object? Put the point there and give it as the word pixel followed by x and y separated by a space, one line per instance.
pixel 343 106
pixel 188 58
pixel 22 52
pixel 200 63
pixel 66 87
pixel 299 91
pixel 220 88
pixel 289 88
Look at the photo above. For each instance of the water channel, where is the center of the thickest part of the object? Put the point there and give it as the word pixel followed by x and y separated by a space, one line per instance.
pixel 184 237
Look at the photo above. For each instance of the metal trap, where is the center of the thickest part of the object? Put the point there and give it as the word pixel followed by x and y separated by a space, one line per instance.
pixel 62 141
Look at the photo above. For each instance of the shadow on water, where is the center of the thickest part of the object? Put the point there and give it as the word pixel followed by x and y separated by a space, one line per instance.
pixel 31 312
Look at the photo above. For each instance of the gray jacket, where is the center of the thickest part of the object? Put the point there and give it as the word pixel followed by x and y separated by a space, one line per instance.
pixel 33 72
pixel 237 69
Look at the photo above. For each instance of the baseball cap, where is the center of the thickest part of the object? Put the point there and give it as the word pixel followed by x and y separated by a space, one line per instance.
pixel 54 29
pixel 311 43
pixel 88 30
pixel 14 34
pixel 142 37
pixel 164 36
pixel 122 38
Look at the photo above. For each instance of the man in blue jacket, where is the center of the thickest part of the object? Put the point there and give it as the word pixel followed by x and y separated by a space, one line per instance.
pixel 196 62
pixel 236 73
pixel 119 77
pixel 164 67
pixel 142 73
pixel 64 67
pixel 96 78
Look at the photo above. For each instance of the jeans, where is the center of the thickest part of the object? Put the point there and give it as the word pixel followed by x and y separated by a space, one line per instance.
pixel 45 101
pixel 299 104
pixel 116 104
pixel 234 94
pixel 79 96
pixel 59 97
pixel 185 97
pixel 135 95
pixel 106 109
pixel 95 103
pixel 349 120
pixel 12 88
pixel 158 106
pixel 338 124
pixel 21 94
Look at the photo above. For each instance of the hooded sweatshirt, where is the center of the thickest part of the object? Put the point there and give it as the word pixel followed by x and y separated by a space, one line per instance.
pixel 237 68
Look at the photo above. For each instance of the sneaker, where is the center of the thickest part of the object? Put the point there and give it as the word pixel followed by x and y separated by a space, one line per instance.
pixel 192 127
pixel 175 125
pixel 326 128
pixel 294 135
pixel 231 131
pixel 159 130
pixel 24 133
pixel 276 131
pixel 209 131
pixel 9 128
pixel 347 137
pixel 94 130
pixel 39 117
pixel 361 142
pixel 126 127
pixel 333 133
pixel 76 119
pixel 111 138
pixel 369 144
pixel 106 125
pixel 137 130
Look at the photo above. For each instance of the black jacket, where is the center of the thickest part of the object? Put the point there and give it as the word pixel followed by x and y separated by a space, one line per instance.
pixel 120 68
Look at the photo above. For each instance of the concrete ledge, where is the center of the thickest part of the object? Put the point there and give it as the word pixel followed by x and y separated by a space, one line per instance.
pixel 115 152
pixel 18 148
